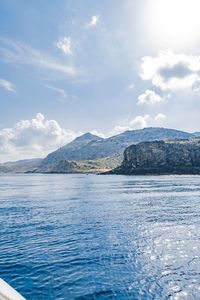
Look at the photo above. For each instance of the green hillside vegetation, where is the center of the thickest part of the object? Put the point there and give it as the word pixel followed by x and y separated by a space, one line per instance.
pixel 99 165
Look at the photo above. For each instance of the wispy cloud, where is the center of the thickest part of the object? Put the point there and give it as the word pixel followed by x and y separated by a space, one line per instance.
pixel 61 92
pixel 93 21
pixel 7 85
pixel 65 45
pixel 131 86
pixel 16 52
pixel 63 95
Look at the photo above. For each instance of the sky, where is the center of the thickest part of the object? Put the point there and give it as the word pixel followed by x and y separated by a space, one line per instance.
pixel 71 66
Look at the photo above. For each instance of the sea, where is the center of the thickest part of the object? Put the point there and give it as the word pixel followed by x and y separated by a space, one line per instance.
pixel 88 237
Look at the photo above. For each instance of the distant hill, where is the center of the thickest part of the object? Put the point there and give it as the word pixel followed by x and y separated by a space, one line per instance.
pixel 77 150
pixel 20 166
pixel 92 147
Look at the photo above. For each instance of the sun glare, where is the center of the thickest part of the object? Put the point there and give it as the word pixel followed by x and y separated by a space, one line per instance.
pixel 174 23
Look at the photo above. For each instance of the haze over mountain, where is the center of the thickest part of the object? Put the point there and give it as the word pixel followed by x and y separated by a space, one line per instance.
pixel 20 166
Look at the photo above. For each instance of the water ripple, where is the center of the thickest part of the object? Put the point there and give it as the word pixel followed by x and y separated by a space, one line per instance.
pixel 100 237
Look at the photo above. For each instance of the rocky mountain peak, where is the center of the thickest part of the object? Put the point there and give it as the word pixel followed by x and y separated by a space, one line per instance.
pixel 88 137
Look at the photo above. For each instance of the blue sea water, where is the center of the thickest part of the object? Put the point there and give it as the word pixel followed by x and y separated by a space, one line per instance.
pixel 100 237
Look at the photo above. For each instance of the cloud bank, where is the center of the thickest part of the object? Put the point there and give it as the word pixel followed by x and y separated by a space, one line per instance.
pixel 32 138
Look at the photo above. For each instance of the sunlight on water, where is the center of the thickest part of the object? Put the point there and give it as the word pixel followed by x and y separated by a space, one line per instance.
pixel 100 237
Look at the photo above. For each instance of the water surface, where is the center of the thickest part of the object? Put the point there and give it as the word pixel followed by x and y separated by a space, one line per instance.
pixel 100 237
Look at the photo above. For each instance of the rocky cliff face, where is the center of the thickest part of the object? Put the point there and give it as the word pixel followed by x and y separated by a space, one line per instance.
pixel 159 157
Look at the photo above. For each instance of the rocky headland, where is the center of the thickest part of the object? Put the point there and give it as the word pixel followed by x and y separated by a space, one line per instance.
pixel 160 158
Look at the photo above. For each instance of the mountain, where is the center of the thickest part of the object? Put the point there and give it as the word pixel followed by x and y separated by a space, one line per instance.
pixel 91 153
pixel 159 158
pixel 76 150
pixel 20 166
pixel 92 147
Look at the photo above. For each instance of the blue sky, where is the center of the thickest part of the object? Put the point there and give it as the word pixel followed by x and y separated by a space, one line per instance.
pixel 68 67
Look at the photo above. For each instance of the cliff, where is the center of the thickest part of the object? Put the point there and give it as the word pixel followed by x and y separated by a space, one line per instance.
pixel 159 157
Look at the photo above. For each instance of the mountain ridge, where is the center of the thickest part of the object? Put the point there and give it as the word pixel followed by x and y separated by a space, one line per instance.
pixel 94 148
pixel 89 147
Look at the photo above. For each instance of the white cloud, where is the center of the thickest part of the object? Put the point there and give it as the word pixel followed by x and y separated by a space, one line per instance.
pixel 38 137
pixel 160 118
pixel 7 85
pixel 170 71
pixel 19 53
pixel 100 134
pixel 131 86
pixel 32 138
pixel 139 122
pixel 118 129
pixel 93 22
pixel 149 97
pixel 63 95
pixel 65 45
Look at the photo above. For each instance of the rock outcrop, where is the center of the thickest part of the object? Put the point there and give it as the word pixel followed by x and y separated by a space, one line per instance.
pixel 159 157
